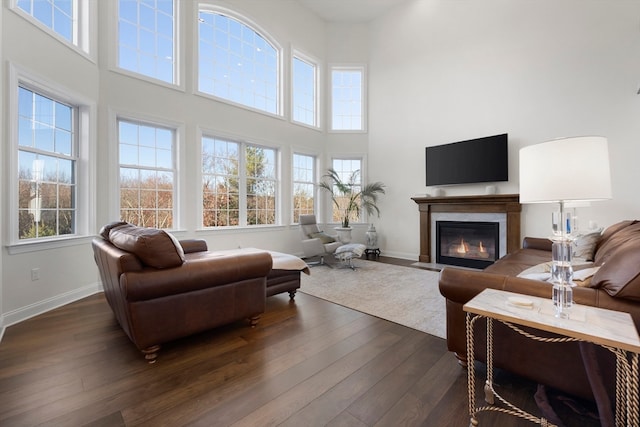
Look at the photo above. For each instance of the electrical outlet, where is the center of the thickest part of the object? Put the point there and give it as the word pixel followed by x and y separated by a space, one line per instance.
pixel 35 274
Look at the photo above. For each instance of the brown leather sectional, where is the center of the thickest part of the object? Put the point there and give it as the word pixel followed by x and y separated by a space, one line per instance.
pixel 615 286
pixel 160 289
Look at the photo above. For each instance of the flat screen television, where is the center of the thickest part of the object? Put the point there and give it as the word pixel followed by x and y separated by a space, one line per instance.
pixel 465 162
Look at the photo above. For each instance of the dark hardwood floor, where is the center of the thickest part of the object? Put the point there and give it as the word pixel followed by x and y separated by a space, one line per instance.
pixel 307 363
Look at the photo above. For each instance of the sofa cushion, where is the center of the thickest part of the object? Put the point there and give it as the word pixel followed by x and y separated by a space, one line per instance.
pixel 155 248
pixel 106 229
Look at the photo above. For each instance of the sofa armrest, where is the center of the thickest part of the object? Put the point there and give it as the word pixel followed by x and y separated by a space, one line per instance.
pixel 194 275
pixel 193 245
pixel 540 243
pixel 460 285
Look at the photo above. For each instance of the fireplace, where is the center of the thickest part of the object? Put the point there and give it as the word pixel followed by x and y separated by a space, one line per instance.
pixel 467 243
pixel 484 207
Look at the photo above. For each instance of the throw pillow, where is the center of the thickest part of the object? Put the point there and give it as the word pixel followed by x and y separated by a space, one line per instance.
pixel 583 277
pixel 537 272
pixel 324 238
pixel 584 246
pixel 155 248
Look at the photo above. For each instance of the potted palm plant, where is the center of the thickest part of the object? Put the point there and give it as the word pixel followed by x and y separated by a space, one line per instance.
pixel 350 198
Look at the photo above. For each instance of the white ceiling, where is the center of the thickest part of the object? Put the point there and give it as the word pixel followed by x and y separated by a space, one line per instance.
pixel 349 11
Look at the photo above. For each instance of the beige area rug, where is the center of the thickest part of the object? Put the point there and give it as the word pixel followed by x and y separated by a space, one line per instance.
pixel 404 295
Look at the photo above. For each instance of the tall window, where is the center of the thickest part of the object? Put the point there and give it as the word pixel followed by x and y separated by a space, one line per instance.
pixel 147 174
pixel 237 63
pixel 146 38
pixel 58 15
pixel 304 180
pixel 220 183
pixel 349 171
pixel 347 99
pixel 47 160
pixel 239 183
pixel 305 91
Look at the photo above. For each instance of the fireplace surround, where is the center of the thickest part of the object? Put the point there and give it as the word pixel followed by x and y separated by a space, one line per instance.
pixel 507 205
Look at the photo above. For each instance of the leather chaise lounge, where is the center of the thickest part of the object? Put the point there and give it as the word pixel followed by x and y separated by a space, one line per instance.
pixel 160 289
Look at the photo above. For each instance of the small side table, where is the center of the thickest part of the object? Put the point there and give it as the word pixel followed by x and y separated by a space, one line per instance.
pixel 609 329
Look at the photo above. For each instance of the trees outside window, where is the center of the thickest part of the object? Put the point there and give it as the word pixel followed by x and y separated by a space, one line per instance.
pixel 304 185
pixel 239 183
pixel 147 174
pixel 47 159
pixel 347 171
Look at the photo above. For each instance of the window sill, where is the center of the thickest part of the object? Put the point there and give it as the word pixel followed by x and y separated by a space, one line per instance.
pixel 43 245
pixel 243 229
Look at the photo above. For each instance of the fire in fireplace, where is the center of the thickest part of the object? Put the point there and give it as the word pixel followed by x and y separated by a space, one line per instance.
pixel 467 243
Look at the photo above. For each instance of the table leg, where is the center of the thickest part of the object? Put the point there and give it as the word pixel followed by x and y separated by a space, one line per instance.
pixel 471 380
pixel 488 387
pixel 632 393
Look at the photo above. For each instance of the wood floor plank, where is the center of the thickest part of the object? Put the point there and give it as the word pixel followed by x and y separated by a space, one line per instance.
pixel 415 406
pixel 274 379
pixel 302 394
pixel 330 404
pixel 384 395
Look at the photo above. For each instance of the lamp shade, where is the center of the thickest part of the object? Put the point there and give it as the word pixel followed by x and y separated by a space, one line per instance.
pixel 568 169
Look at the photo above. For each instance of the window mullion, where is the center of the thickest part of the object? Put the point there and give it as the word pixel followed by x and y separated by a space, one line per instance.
pixel 242 184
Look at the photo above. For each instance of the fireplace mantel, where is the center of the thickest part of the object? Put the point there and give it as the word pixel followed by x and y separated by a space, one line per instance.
pixel 490 203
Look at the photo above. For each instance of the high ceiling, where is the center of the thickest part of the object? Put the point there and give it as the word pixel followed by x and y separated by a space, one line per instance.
pixel 349 11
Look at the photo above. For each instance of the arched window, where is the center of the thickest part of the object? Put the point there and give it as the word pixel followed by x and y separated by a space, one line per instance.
pixel 237 63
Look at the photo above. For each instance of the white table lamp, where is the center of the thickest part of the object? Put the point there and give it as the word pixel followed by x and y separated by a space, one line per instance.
pixel 567 170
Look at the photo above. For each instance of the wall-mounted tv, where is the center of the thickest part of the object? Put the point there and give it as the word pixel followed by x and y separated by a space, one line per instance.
pixel 465 162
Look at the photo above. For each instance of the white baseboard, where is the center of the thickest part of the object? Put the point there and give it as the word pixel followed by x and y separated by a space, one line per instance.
pixel 23 313
pixel 401 255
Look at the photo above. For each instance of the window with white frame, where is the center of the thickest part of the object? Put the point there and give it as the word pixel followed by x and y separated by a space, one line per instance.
pixel 239 183
pixel 47 166
pixel 304 185
pixel 237 63
pixel 147 38
pixel 304 90
pixel 147 173
pixel 350 172
pixel 220 182
pixel 66 20
pixel 348 99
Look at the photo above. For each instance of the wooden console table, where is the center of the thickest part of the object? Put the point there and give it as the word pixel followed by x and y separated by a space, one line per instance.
pixel 491 203
pixel 613 330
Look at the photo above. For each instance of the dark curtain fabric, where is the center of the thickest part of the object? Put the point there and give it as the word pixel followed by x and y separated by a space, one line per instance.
pixel 546 399
pixel 594 373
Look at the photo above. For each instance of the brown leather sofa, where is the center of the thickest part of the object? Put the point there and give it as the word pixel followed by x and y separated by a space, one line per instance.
pixel 615 286
pixel 160 289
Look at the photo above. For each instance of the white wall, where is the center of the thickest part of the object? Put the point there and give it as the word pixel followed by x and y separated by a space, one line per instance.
pixel 444 71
